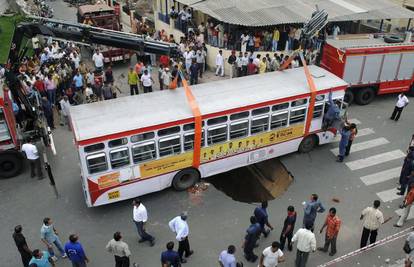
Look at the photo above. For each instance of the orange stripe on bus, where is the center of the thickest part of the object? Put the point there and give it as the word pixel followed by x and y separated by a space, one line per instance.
pixel 312 88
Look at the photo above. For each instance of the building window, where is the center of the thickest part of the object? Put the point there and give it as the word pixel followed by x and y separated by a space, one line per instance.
pixel 96 163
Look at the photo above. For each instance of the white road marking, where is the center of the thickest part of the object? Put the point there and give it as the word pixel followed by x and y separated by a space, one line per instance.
pixel 365 145
pixel 389 195
pixel 362 132
pixel 380 177
pixel 375 160
pixel 354 121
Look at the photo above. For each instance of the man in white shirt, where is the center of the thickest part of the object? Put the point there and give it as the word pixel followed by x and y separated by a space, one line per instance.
pixel 373 219
pixel 32 155
pixel 64 111
pixel 140 216
pixel 402 101
pixel 98 60
pixel 147 81
pixel 227 258
pixel 271 256
pixel 119 249
pixel 179 226
pixel 220 64
pixel 306 244
pixel 245 62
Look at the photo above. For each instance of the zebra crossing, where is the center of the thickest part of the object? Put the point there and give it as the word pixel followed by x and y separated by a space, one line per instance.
pixel 391 156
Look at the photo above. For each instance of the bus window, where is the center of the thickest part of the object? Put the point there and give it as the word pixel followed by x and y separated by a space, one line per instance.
pixel 317 111
pixel 169 146
pixel 94 147
pixel 240 115
pixel 239 129
pixel 297 115
pixel 279 120
pixel 320 98
pixel 189 141
pixel 168 131
pixel 119 157
pixel 96 163
pixel 143 152
pixel 191 126
pixel 118 142
pixel 217 120
pixel 299 102
pixel 217 134
pixel 259 124
pixel 259 111
pixel 142 137
pixel 280 106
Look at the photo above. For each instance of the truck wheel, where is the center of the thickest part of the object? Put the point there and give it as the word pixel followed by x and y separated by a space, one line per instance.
pixel 185 179
pixel 349 96
pixel 365 96
pixel 307 144
pixel 11 164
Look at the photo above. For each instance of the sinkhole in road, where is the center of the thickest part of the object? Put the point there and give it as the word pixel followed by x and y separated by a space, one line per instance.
pixel 258 182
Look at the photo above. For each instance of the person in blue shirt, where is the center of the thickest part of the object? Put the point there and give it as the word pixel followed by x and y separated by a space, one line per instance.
pixel 333 113
pixel 48 235
pixel 170 258
pixel 78 80
pixel 345 134
pixel 41 259
pixel 262 218
pixel 311 209
pixel 75 252
pixel 252 235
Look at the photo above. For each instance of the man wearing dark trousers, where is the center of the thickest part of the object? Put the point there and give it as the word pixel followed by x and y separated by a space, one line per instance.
pixel 402 101
pixel 252 235
pixel 373 219
pixel 21 245
pixel 179 226
pixel 140 218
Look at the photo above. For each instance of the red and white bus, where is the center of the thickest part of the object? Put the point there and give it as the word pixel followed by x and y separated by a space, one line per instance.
pixel 131 146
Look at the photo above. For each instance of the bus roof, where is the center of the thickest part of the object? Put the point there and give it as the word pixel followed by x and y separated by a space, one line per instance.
pixel 86 9
pixel 130 113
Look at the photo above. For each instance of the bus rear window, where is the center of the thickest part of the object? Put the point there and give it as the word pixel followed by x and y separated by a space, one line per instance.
pixel 189 141
pixel 168 131
pixel 297 115
pixel 191 126
pixel 317 111
pixel 239 129
pixel 144 152
pixel 119 157
pixel 280 106
pixel 169 146
pixel 217 135
pixel 240 115
pixel 299 102
pixel 118 142
pixel 94 147
pixel 279 120
pixel 96 163
pixel 260 124
pixel 217 120
pixel 142 137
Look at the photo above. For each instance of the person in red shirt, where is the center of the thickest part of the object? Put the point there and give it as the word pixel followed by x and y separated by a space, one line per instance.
pixel 332 224
pixel 138 68
pixel 40 86
pixel 165 61
pixel 251 67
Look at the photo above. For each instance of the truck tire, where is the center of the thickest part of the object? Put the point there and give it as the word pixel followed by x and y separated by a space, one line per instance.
pixel 11 163
pixel 308 143
pixel 364 96
pixel 185 179
pixel 349 96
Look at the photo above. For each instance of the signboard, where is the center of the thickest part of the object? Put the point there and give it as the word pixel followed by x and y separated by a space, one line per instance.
pixel 108 180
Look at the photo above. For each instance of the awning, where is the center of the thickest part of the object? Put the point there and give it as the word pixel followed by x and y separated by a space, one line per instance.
pixel 274 12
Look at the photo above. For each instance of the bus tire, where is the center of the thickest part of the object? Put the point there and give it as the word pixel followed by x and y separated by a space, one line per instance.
pixel 185 179
pixel 364 96
pixel 349 96
pixel 11 163
pixel 308 143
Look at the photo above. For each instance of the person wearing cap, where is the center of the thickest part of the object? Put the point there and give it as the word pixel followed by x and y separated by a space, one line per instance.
pixel 140 216
pixel 179 226
pixel 21 245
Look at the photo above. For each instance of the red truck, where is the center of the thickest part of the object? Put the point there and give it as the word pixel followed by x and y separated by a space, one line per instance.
pixel 371 66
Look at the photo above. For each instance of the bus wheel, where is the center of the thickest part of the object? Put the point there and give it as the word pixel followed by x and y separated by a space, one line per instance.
pixel 365 96
pixel 185 179
pixel 11 164
pixel 349 96
pixel 307 144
